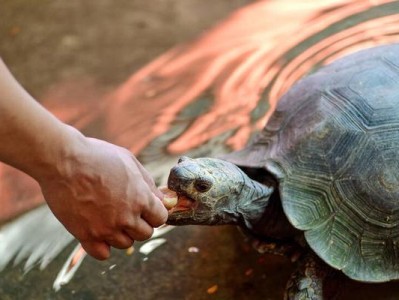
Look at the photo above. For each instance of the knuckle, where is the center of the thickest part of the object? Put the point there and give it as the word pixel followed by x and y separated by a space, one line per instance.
pixel 122 244
pixel 139 201
pixel 95 234
pixel 126 222
pixel 145 235
pixel 137 208
pixel 141 234
pixel 100 233
pixel 160 219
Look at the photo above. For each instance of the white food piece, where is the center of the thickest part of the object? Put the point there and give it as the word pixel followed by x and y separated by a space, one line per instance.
pixel 169 198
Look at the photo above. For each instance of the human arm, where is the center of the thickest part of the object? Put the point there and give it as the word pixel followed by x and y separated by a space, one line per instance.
pixel 99 191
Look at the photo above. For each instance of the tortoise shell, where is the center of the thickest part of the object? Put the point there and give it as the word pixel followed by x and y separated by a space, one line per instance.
pixel 333 145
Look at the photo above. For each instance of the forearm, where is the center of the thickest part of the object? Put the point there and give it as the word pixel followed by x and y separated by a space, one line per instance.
pixel 31 138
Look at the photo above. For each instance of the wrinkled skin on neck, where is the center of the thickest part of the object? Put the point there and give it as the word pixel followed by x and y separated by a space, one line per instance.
pixel 212 191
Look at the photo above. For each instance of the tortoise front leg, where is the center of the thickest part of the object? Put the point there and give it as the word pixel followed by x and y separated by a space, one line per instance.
pixel 313 280
pixel 288 249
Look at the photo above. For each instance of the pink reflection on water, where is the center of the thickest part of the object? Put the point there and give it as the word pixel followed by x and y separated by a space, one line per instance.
pixel 235 61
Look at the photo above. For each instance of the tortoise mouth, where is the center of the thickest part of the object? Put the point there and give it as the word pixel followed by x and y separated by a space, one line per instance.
pixel 184 204
pixel 183 213
pixel 177 202
pixel 185 210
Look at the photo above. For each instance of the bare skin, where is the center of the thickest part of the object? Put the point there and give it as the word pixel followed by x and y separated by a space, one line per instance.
pixel 99 191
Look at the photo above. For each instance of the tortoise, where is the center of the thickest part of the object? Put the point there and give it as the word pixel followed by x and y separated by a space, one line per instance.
pixel 320 182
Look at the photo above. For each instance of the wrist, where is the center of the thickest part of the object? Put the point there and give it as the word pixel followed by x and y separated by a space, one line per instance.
pixel 58 154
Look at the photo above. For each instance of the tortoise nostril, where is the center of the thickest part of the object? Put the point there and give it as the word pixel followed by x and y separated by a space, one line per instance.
pixel 202 186
pixel 182 158
pixel 179 179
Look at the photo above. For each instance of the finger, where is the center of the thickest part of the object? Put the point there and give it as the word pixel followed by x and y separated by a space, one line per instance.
pixel 155 213
pixel 99 250
pixel 141 231
pixel 148 178
pixel 120 241
pixel 157 193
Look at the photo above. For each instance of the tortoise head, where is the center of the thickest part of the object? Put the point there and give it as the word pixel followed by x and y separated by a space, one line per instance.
pixel 212 191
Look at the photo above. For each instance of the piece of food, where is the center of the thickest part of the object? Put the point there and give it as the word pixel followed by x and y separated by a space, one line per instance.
pixel 169 199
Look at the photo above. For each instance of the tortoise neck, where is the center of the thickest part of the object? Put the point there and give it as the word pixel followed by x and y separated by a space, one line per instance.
pixel 274 223
pixel 253 201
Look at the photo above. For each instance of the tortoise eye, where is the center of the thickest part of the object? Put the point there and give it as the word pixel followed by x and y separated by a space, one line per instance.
pixel 202 186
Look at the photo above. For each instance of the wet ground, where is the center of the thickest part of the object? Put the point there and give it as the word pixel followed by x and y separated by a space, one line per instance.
pixel 171 272
pixel 53 43
pixel 44 42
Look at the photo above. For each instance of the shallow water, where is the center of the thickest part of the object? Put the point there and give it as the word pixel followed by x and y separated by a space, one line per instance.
pixel 74 57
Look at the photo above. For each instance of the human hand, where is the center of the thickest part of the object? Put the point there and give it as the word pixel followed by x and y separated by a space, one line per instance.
pixel 104 197
pixel 99 191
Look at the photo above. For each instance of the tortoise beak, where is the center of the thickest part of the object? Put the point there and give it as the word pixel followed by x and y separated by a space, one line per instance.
pixel 179 179
pixel 183 211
